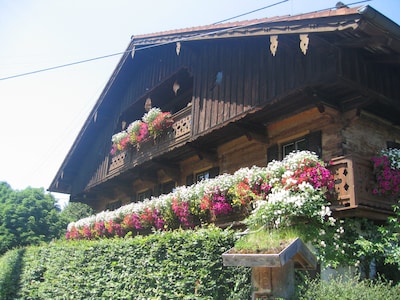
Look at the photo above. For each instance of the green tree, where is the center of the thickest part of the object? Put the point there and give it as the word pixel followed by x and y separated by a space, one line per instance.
pixel 75 211
pixel 27 217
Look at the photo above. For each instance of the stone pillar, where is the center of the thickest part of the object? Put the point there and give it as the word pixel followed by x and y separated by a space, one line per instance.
pixel 277 282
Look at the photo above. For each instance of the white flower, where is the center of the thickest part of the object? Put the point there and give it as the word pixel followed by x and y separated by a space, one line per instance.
pixel 151 115
pixel 325 211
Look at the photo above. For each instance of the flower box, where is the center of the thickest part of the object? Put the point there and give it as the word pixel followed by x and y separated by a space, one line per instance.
pixel 296 251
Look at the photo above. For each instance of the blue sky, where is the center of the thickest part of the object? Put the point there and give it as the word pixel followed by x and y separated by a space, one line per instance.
pixel 42 113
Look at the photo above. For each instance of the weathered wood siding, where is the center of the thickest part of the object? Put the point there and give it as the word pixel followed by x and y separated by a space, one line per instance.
pixel 252 76
pixel 369 73
pixel 341 133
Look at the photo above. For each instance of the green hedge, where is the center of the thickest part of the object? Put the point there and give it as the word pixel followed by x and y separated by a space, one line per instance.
pixel 349 288
pixel 168 265
pixel 10 268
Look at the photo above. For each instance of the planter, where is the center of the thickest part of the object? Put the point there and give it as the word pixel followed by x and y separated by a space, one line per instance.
pixel 273 273
pixel 296 251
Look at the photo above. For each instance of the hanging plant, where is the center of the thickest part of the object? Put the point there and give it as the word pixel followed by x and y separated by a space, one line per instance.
pixel 154 123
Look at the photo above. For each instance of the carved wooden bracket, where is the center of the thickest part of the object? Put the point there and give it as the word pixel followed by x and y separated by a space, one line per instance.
pixel 178 48
pixel 304 40
pixel 273 44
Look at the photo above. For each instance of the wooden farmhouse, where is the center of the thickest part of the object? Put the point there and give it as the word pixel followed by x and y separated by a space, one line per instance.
pixel 242 94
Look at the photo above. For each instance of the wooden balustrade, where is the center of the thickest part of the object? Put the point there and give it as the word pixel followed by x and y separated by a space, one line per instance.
pixel 354 183
pixel 177 135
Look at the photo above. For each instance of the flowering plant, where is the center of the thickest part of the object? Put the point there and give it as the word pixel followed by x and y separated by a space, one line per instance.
pixel 387 172
pixel 158 126
pixel 154 123
pixel 295 187
pixel 157 121
pixel 120 142
pixel 296 198
pixel 299 185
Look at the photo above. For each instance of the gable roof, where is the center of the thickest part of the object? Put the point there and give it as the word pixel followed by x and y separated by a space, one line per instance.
pixel 361 27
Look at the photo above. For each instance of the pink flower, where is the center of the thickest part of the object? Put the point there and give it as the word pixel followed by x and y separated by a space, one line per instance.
pixel 181 210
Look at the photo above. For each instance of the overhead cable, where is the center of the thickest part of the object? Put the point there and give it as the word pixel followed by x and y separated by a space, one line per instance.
pixel 175 40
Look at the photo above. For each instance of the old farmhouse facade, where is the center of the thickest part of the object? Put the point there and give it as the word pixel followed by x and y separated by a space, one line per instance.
pixel 243 94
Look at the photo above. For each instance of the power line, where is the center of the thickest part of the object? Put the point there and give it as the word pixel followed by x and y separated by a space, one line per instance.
pixel 250 12
pixel 123 52
pixel 62 66
pixel 168 42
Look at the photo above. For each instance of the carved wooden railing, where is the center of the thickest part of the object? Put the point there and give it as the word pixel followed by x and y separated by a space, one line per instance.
pixel 177 135
pixel 354 182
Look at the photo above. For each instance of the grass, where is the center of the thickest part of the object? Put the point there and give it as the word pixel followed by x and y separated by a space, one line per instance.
pixel 266 241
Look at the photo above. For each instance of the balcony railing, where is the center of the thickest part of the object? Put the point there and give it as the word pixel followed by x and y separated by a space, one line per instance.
pixel 114 165
pixel 354 182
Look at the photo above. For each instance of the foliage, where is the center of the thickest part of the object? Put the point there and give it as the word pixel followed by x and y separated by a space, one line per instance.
pixel 184 207
pixel 154 123
pixel 27 217
pixel 349 288
pixel 223 195
pixel 299 187
pixel 266 241
pixel 292 192
pixel 75 211
pixel 381 242
pixel 10 269
pixel 387 172
pixel 167 265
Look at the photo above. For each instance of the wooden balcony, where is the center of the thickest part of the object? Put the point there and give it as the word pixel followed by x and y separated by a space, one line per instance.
pixel 354 182
pixel 117 164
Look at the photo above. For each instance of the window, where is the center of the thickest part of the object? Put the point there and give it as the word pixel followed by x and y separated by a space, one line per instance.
pixel 209 173
pixel 202 175
pixel 393 145
pixel 144 195
pixel 167 187
pixel 296 145
pixel 114 205
pixel 311 142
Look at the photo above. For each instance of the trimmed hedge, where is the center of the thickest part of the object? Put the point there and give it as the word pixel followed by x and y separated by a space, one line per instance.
pixel 349 288
pixel 167 265
pixel 10 268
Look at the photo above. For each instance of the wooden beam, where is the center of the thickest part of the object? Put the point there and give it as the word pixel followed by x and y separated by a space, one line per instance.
pixel 253 131
pixel 202 153
pixel 171 170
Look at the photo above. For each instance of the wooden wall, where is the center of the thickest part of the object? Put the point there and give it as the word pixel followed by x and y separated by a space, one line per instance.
pixel 342 133
pixel 252 76
pixel 368 72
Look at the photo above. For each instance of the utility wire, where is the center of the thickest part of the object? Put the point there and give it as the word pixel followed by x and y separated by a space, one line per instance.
pixel 174 41
pixel 62 66
pixel 126 51
pixel 250 12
